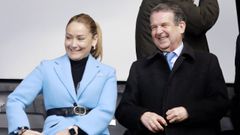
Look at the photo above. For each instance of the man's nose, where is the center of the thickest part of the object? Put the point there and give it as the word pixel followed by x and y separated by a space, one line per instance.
pixel 159 30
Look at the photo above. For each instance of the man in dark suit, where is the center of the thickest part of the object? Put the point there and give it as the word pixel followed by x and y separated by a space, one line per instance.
pixel 185 96
pixel 236 100
pixel 199 20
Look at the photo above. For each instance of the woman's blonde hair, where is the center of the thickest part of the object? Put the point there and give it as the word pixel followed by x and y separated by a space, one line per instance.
pixel 94 29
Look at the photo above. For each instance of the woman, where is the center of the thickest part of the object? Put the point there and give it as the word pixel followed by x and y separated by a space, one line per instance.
pixel 79 92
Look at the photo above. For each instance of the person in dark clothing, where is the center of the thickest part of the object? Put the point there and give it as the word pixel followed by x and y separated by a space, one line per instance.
pixel 235 113
pixel 199 20
pixel 182 95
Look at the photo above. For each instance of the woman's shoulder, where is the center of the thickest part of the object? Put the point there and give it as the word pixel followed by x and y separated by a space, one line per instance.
pixel 107 67
pixel 104 66
pixel 100 64
pixel 54 61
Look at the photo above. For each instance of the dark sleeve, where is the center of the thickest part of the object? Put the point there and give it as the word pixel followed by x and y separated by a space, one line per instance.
pixel 237 67
pixel 200 18
pixel 235 106
pixel 128 112
pixel 215 102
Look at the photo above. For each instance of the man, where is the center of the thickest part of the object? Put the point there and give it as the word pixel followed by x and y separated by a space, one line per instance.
pixel 188 99
pixel 201 18
pixel 235 107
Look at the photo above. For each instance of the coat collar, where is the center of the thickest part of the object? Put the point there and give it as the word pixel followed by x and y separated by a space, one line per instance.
pixel 91 70
pixel 63 70
pixel 187 52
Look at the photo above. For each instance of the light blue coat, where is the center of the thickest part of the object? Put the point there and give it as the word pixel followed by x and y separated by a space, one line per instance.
pixel 53 79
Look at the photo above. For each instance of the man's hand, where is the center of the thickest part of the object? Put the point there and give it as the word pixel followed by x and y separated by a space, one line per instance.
pixel 153 122
pixel 177 114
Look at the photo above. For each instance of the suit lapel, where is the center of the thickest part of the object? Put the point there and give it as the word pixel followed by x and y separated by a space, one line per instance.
pixel 187 53
pixel 177 63
pixel 63 70
pixel 90 72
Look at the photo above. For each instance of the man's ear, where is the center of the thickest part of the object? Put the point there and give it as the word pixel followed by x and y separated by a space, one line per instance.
pixel 182 26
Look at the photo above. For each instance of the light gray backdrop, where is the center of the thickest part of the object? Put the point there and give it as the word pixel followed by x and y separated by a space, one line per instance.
pixel 33 30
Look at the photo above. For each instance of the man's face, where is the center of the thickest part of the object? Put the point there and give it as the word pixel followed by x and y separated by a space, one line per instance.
pixel 166 34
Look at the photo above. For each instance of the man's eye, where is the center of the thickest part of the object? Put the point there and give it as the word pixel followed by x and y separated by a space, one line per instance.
pixel 153 27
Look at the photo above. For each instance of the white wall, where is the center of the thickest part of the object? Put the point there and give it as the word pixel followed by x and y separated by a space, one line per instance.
pixel 222 38
pixel 31 31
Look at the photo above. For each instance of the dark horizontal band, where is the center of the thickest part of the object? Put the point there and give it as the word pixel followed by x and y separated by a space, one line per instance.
pixel 68 111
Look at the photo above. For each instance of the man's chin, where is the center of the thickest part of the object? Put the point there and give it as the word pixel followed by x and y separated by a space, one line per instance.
pixel 164 48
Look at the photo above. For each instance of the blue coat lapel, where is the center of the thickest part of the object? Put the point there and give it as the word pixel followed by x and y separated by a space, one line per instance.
pixel 63 70
pixel 91 70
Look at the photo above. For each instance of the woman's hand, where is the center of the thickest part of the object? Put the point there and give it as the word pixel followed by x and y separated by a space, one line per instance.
pixel 31 132
pixel 66 131
pixel 63 132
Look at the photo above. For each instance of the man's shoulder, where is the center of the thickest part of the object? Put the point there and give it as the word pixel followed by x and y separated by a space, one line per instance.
pixel 205 57
pixel 202 54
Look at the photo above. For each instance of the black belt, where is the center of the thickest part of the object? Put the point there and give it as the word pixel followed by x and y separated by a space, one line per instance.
pixel 68 111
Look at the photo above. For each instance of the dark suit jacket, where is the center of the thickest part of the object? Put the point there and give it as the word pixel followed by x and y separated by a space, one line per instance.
pixel 196 83
pixel 199 21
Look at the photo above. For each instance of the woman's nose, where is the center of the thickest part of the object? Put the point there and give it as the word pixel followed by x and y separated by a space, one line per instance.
pixel 74 43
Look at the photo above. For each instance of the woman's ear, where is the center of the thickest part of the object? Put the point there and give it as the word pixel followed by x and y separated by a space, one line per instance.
pixel 94 41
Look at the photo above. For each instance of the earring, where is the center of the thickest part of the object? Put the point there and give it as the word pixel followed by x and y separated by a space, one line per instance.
pixel 93 47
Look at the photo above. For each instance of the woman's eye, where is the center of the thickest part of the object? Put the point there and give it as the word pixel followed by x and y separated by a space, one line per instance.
pixel 67 37
pixel 80 38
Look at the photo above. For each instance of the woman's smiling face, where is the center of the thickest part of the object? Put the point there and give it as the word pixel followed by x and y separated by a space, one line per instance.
pixel 78 41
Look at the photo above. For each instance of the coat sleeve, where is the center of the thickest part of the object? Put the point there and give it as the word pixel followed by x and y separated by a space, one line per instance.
pixel 21 97
pixel 202 17
pixel 215 103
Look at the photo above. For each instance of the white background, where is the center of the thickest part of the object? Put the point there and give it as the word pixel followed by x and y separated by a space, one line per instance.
pixel 33 30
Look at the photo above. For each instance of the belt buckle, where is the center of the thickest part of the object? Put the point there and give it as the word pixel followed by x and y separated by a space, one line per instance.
pixel 79 110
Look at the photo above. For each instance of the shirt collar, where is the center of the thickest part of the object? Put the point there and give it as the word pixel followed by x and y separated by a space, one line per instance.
pixel 176 51
pixel 179 49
